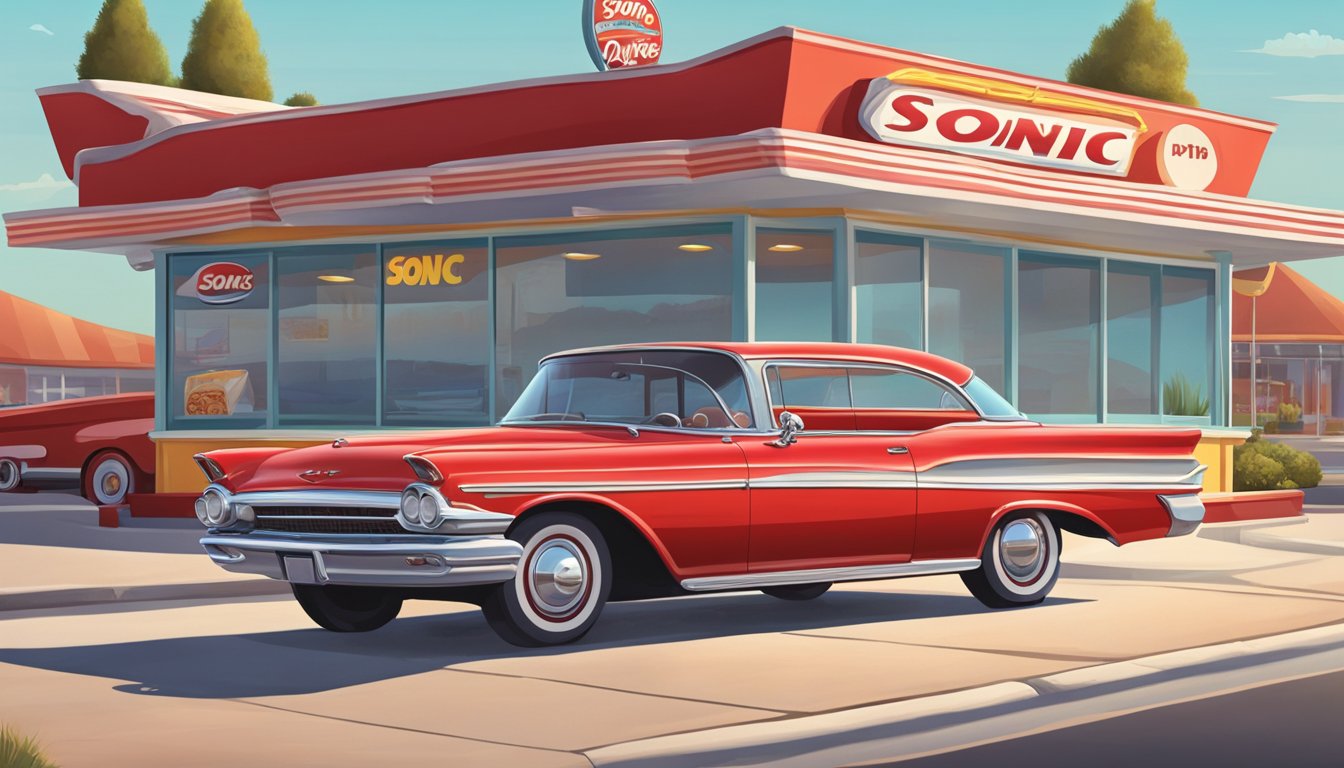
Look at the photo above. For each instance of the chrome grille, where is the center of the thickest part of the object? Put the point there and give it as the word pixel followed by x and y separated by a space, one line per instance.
pixel 356 520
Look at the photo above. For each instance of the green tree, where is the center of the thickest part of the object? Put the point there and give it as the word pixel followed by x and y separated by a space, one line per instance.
pixel 121 46
pixel 224 55
pixel 301 99
pixel 1138 54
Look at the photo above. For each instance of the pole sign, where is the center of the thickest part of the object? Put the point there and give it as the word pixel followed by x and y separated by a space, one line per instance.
pixel 898 113
pixel 622 33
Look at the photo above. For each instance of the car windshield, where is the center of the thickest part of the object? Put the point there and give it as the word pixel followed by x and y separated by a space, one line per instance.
pixel 670 388
pixel 990 402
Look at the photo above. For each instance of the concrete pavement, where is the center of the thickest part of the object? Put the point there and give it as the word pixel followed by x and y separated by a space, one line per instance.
pixel 176 682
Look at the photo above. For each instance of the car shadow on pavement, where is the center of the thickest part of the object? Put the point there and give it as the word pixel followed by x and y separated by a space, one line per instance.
pixel 73 522
pixel 314 660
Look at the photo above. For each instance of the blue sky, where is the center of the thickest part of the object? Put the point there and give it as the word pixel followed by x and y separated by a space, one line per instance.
pixel 347 50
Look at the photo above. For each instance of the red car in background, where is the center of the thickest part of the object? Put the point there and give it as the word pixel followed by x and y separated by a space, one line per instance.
pixel 648 471
pixel 100 443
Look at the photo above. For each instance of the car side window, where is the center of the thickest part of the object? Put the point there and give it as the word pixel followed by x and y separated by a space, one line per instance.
pixel 808 387
pixel 883 388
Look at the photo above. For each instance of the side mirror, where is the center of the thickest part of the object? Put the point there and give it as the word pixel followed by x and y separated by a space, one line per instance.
pixel 789 427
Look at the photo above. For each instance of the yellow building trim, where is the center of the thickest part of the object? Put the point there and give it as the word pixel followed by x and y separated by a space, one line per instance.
pixel 1215 452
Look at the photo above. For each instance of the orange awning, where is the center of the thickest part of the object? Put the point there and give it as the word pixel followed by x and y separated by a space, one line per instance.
pixel 31 334
pixel 1290 308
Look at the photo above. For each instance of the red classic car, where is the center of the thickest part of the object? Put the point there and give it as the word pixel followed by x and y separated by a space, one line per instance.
pixel 100 443
pixel 646 471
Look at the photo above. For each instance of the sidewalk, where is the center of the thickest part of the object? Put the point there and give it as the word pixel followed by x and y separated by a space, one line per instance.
pixel 53 555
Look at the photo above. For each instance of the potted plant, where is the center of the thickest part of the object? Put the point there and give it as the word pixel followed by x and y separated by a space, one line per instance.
pixel 1290 417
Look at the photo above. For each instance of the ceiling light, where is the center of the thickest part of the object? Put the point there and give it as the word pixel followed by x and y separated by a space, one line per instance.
pixel 786 248
pixel 336 278
pixel 576 256
pixel 695 247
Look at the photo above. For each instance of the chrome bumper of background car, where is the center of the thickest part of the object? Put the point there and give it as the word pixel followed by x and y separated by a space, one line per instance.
pixel 375 561
pixel 1186 511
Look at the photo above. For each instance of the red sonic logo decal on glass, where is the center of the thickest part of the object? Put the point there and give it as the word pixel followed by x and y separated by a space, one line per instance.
pixel 622 33
pixel 223 282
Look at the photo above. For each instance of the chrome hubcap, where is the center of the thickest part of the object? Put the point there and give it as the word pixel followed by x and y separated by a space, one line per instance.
pixel 557 577
pixel 8 474
pixel 1022 549
pixel 111 484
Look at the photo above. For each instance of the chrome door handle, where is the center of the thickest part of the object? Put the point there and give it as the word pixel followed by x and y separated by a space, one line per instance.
pixel 896 450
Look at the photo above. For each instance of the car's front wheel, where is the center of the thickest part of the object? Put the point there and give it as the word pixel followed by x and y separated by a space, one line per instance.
pixel 563 581
pixel 109 479
pixel 347 609
pixel 1019 564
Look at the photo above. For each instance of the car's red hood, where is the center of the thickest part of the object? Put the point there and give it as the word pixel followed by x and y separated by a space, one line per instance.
pixel 376 462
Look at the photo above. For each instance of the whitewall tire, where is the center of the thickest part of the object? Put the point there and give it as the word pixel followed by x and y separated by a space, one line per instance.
pixel 109 479
pixel 9 475
pixel 1019 564
pixel 563 581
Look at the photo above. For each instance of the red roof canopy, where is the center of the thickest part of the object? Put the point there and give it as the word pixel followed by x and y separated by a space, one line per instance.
pixel 1292 309
pixel 36 335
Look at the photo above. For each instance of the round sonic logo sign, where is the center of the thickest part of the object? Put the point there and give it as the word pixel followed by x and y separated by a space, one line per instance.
pixel 622 33
pixel 223 282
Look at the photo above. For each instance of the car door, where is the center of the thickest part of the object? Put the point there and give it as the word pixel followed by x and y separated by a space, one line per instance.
pixel 836 497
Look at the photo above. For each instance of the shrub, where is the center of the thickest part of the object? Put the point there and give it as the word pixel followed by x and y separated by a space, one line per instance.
pixel 1290 412
pixel 1261 465
pixel 301 99
pixel 20 751
pixel 1182 397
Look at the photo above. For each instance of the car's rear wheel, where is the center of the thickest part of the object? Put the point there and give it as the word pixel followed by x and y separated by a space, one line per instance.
pixel 1019 564
pixel 108 479
pixel 798 591
pixel 563 581
pixel 9 475
pixel 347 609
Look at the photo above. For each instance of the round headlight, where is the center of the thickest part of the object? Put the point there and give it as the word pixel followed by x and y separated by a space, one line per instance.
pixel 410 506
pixel 246 514
pixel 200 512
pixel 429 510
pixel 214 508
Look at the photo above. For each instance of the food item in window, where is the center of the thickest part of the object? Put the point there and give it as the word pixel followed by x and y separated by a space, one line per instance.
pixel 216 393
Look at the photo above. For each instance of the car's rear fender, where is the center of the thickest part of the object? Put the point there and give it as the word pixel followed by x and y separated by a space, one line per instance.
pixel 1065 516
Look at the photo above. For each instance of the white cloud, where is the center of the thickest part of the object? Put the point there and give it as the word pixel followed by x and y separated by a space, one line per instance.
pixel 45 182
pixel 1304 44
pixel 41 28
pixel 1317 98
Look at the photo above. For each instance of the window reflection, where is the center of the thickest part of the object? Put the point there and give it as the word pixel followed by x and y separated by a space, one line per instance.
pixel 436 334
pixel 795 273
pixel 326 335
pixel 1187 341
pixel 966 307
pixel 553 293
pixel 1132 301
pixel 889 290
pixel 1059 327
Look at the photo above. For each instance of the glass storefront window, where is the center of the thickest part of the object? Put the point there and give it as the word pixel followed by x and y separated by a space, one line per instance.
pixel 436 334
pixel 221 326
pixel 889 289
pixel 1059 335
pixel 326 335
pixel 1187 341
pixel 795 285
pixel 561 292
pixel 1133 298
pixel 967 317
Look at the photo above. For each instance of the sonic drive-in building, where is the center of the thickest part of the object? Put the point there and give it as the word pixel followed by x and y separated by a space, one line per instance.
pixel 404 263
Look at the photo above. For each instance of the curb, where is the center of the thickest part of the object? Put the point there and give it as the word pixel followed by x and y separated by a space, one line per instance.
pixel 903 729
pixel 77 597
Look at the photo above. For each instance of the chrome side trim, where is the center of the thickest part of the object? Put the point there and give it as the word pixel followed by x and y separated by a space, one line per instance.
pixel 858 573
pixel 1063 473
pixel 893 479
pixel 1186 511
pixel 49 474
pixel 506 489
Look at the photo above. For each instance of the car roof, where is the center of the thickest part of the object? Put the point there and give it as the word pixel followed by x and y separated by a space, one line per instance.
pixel 812 350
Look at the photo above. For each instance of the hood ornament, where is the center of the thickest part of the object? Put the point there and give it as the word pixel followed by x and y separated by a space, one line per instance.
pixel 339 442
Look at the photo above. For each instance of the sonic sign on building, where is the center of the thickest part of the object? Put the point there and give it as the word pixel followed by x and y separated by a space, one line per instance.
pixel 404 263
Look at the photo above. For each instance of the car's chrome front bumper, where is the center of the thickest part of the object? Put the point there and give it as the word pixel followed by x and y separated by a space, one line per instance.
pixel 1186 512
pixel 375 561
